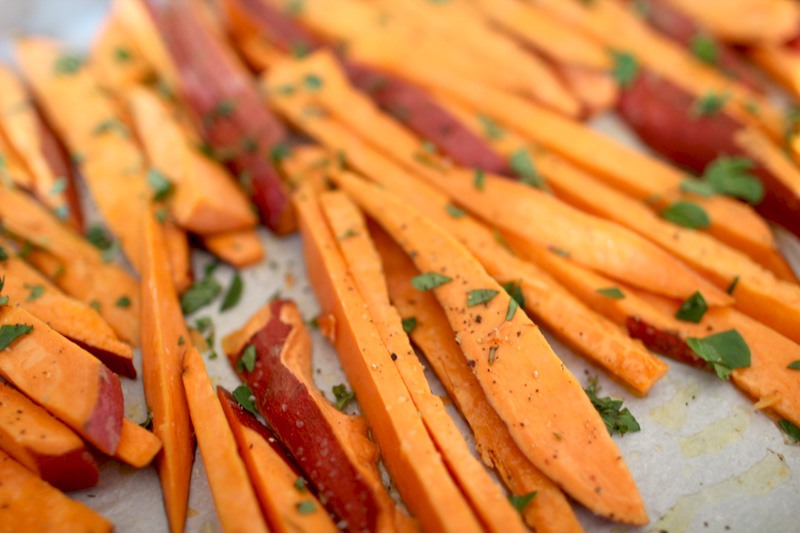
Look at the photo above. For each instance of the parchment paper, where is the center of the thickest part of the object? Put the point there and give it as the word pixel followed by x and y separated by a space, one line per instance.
pixel 704 460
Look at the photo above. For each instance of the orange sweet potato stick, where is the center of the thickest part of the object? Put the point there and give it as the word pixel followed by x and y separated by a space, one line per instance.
pixel 165 341
pixel 234 497
pixel 76 266
pixel 42 444
pixel 71 318
pixel 69 382
pixel 550 511
pixel 239 248
pixel 137 446
pixel 410 456
pixel 364 265
pixel 29 504
pixel 523 379
pixel 279 487
pixel 116 60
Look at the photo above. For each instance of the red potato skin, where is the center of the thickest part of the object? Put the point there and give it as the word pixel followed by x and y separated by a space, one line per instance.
pixel 410 105
pixel 682 29
pixel 206 77
pixel 284 400
pixel 105 424
pixel 661 114
pixel 663 342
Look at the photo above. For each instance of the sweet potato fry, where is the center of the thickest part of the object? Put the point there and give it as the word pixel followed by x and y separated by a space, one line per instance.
pixel 116 60
pixel 165 341
pixel 274 480
pixel 234 497
pixel 206 199
pixel 137 446
pixel 531 418
pixel 410 455
pixel 42 444
pixel 343 471
pixel 14 172
pixel 549 511
pixel 34 143
pixel 71 318
pixel 365 266
pixel 29 504
pixel 69 382
pixel 239 248
pixel 73 264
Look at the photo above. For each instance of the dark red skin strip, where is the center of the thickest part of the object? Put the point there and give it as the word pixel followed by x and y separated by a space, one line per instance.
pixel 105 424
pixel 293 415
pixel 682 29
pixel 661 114
pixel 663 342
pixel 409 104
pixel 75 470
pixel 245 136
pixel 121 366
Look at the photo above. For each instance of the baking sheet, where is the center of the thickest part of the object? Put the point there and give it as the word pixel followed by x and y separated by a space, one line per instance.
pixel 704 460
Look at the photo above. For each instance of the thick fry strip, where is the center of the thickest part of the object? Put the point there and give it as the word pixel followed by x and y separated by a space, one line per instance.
pixel 137 446
pixel 29 504
pixel 364 265
pixel 165 341
pixel 549 512
pixel 73 264
pixel 410 455
pixel 239 248
pixel 116 60
pixel 234 497
pixel 523 379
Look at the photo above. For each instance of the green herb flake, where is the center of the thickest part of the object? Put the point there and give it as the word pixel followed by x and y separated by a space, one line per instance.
pixel 300 484
pixel 10 332
pixel 343 397
pixel 147 423
pixel 3 254
pixel 35 291
pixel 479 179
pixel 122 54
pixel 161 215
pixel 429 280
pixel 522 165
pixel 704 48
pixel 234 293
pixel 279 152
pixel 560 252
pixel 162 187
pixel 490 128
pixel 244 396
pixel 306 507
pixel 687 214
pixel 3 300
pixel 708 105
pixel 95 304
pixel 616 418
pixel 733 285
pixel 111 125
pixel 611 292
pixel 409 324
pixel 248 358
pixel 725 351
pixel 515 291
pixel 181 341
pixel 123 301
pixel 731 176
pixel 312 82
pixel 492 355
pixel 520 503
pixel 58 187
pixel 224 108
pixel 787 426
pixel 512 309
pixel 67 64
pixel 698 187
pixel 480 296
pixel 795 365
pixel 27 248
pixel 455 212
pixel 625 69
pixel 692 309
pixel 111 252
pixel 199 295
pixel 347 234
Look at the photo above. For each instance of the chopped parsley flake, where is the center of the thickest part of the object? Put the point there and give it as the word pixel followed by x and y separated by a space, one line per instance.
pixel 724 351
pixel 409 324
pixel 429 280
pixel 234 293
pixel 615 417
pixel 611 292
pixel 10 332
pixel 687 214
pixel 244 396
pixel 343 396
pixel 480 296
pixel 692 309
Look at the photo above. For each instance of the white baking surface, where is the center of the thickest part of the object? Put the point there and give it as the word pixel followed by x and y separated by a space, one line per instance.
pixel 704 460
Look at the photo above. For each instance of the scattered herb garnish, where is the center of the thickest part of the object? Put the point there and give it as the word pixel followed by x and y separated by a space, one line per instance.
pixel 312 82
pixel 733 285
pixel 515 291
pixel 611 292
pixel 522 165
pixel 520 503
pixel 111 252
pixel 98 237
pixel 224 108
pixel 795 365
pixel 35 291
pixel 625 68
pixel 234 293
pixel 704 48
pixel 3 254
pixel 512 308
pixel 148 422
pixel 687 214
pixel 559 251
pixel 479 179
pixel 27 248
pixel 347 234
pixel 162 187
pixel 111 125
pixel 181 341
pixel 409 324
pixel 9 332
pixel 790 429
pixel 615 417
pixel 429 280
pixel 490 128
pixel 343 397
pixel 122 54
pixel 725 351
pixel 708 104
pixel 248 360
pixel 300 484
pixel 692 309
pixel 58 187
pixel 200 295
pixel 480 296
pixel 279 152
pixel 731 176
pixel 306 507
pixel 244 396
pixel 95 304
pixel 67 64
pixel 492 353
pixel 455 212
